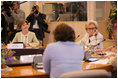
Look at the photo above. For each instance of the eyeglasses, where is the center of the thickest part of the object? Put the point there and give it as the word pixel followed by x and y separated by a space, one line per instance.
pixel 91 28
pixel 24 24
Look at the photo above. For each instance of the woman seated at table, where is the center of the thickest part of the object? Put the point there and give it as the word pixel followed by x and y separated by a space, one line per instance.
pixel 25 36
pixel 92 37
pixel 64 55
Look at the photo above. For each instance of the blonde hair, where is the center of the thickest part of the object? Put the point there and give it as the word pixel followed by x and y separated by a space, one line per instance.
pixel 91 22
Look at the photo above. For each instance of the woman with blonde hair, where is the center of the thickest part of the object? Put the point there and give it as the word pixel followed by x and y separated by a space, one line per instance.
pixel 25 36
pixel 92 37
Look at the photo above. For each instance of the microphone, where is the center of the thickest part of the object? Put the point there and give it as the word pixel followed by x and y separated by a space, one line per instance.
pixel 58 19
pixel 77 36
pixel 89 40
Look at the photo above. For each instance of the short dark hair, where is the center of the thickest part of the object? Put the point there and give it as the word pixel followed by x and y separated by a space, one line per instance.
pixel 17 3
pixel 64 32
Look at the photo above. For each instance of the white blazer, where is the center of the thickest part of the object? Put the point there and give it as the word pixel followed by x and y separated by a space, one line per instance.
pixel 94 40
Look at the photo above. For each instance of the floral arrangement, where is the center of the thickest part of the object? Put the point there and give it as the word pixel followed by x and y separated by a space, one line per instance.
pixel 112 22
pixel 90 49
pixel 113 14
pixel 6 55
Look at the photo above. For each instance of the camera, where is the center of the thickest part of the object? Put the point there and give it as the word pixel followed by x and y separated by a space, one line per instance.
pixel 34 7
pixel 7 5
pixel 35 10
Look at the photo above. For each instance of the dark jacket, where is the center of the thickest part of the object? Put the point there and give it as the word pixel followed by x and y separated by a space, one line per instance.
pixel 4 28
pixel 40 20
pixel 7 22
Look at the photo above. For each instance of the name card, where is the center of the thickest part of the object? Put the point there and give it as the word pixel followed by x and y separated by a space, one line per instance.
pixel 30 58
pixel 15 46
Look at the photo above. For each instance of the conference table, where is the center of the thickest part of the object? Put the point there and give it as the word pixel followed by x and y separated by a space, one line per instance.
pixel 27 71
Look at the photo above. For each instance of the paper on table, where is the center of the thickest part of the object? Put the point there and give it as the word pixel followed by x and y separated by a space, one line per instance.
pixel 28 58
pixel 109 53
pixel 41 70
pixel 104 61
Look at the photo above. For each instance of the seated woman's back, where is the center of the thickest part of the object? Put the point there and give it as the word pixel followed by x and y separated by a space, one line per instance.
pixel 62 57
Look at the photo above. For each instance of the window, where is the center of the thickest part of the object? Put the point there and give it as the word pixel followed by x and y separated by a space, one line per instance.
pixel 100 10
pixel 67 11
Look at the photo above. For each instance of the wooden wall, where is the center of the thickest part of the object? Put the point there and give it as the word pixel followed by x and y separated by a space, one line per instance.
pixel 79 27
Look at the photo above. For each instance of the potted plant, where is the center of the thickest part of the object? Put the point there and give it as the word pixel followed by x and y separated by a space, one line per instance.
pixel 6 55
pixel 112 22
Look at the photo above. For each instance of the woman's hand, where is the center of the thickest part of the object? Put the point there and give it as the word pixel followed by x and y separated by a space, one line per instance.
pixel 27 45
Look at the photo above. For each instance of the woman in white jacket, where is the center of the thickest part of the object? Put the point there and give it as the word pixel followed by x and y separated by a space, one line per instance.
pixel 92 37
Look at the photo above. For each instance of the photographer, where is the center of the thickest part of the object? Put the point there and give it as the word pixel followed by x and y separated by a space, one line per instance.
pixel 37 23
pixel 3 25
pixel 9 21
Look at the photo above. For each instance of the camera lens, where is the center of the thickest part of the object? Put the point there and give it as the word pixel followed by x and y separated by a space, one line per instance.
pixel 36 11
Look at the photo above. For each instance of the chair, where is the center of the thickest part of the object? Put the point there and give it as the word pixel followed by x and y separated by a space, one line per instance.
pixel 87 74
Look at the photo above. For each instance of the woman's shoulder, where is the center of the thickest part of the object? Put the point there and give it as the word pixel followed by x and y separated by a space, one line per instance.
pixel 51 44
pixel 55 44
pixel 85 37
pixel 31 33
pixel 99 34
pixel 18 33
pixel 79 47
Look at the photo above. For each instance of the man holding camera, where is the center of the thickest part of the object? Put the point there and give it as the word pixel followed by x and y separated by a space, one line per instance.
pixel 37 23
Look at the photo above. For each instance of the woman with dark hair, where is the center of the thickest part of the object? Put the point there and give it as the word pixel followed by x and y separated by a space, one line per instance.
pixel 64 55
pixel 25 36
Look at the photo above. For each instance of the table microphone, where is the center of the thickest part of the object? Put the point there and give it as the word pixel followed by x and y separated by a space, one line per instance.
pixel 77 36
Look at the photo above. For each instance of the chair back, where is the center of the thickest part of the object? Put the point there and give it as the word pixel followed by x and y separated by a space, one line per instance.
pixel 87 74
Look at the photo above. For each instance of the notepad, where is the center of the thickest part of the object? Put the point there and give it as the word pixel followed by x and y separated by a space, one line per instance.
pixel 28 58
pixel 104 61
pixel 41 70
